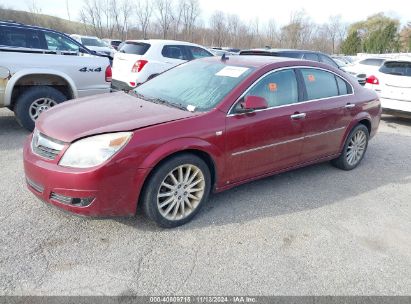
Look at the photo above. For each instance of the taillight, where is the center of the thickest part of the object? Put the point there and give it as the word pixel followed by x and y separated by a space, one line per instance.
pixel 109 74
pixel 372 80
pixel 138 66
pixel 132 83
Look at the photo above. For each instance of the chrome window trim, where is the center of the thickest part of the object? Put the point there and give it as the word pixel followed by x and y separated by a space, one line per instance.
pixel 285 142
pixel 230 114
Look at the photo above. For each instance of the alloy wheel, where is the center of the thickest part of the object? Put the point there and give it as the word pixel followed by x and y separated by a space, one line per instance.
pixel 181 192
pixel 356 147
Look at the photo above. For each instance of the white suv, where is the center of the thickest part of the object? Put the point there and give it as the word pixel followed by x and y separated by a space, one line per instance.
pixel 140 60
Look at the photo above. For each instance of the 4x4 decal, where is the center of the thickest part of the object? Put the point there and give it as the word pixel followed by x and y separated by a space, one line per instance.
pixel 85 69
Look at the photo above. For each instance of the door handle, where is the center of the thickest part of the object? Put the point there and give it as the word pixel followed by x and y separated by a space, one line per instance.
pixel 349 106
pixel 298 116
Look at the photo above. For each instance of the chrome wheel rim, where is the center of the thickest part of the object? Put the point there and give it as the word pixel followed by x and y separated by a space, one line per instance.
pixel 181 192
pixel 39 106
pixel 356 147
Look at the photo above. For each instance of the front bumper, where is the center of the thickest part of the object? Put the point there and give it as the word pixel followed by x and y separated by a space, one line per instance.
pixel 111 189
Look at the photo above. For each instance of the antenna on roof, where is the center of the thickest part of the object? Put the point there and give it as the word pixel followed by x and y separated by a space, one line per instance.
pixel 224 57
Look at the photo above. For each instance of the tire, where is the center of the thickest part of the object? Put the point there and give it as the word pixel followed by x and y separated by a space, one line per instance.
pixel 177 211
pixel 43 96
pixel 346 161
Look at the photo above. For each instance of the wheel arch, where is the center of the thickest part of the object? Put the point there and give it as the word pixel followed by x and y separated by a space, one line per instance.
pixel 361 118
pixel 33 77
pixel 202 149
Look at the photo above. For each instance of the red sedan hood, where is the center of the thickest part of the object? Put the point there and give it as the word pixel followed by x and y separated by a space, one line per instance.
pixel 102 114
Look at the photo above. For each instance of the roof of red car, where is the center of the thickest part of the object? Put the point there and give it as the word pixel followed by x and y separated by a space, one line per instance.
pixel 251 61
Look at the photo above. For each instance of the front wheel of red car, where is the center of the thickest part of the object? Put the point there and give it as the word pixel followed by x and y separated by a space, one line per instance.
pixel 354 148
pixel 175 191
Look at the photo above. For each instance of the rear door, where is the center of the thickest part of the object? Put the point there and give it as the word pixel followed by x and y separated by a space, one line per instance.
pixel 396 80
pixel 328 111
pixel 265 140
pixel 174 55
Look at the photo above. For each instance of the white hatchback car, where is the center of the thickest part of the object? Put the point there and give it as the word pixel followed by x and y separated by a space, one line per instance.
pixel 365 67
pixel 140 60
pixel 392 82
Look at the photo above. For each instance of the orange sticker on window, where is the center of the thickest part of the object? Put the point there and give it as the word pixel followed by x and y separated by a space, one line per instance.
pixel 272 86
pixel 311 78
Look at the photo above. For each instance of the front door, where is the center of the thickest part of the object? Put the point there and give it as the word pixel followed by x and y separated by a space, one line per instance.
pixel 265 140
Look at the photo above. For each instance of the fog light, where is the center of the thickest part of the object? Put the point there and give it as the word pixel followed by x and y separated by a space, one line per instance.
pixel 82 202
pixel 73 201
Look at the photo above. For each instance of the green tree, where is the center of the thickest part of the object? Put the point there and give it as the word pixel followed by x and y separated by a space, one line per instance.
pixel 378 34
pixel 352 44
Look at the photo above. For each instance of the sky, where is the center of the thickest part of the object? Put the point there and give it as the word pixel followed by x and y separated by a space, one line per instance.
pixel 319 11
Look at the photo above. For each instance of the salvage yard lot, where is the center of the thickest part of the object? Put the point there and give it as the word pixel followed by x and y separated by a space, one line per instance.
pixel 313 231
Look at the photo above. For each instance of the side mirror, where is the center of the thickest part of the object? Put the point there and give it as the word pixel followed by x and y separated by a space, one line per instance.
pixel 252 103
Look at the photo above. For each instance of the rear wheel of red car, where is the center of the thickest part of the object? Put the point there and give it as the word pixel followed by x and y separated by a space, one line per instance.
pixel 175 191
pixel 354 148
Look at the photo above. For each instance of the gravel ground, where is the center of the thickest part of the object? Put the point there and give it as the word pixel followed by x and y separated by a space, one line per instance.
pixel 313 231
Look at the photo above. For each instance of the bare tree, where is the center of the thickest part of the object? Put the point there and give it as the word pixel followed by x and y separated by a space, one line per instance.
pixel 190 13
pixel 92 14
pixel 336 31
pixel 219 27
pixel 164 15
pixel 120 16
pixel 68 10
pixel 233 25
pixel 271 33
pixel 144 11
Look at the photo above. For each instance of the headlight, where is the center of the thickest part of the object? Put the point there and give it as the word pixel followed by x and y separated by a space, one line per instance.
pixel 93 151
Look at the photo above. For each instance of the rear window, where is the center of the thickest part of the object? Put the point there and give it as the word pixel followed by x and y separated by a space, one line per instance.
pixel 397 68
pixel 20 38
pixel 289 54
pixel 92 42
pixel 136 48
pixel 372 61
pixel 311 56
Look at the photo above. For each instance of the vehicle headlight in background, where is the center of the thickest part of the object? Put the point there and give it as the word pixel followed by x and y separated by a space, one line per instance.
pixel 93 151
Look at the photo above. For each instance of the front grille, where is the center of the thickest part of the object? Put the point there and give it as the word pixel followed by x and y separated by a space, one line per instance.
pixel 45 146
pixel 35 186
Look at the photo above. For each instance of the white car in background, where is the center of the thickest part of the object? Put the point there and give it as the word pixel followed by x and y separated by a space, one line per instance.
pixel 95 44
pixel 392 82
pixel 140 60
pixel 365 67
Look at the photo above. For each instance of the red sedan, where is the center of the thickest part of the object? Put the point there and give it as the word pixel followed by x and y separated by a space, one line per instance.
pixel 207 125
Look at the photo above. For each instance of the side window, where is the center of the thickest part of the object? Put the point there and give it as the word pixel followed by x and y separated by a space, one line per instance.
pixel 17 37
pixel 197 52
pixel 343 87
pixel 372 61
pixel 328 61
pixel 174 51
pixel 58 42
pixel 311 56
pixel 278 88
pixel 319 84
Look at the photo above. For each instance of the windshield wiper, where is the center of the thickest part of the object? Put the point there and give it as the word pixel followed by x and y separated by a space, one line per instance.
pixel 165 102
pixel 141 96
